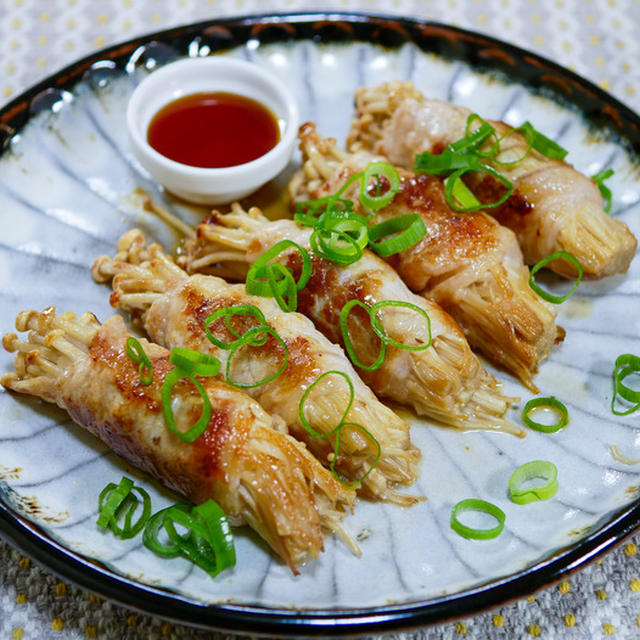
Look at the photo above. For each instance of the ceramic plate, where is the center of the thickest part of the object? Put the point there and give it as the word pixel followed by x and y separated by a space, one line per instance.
pixel 69 187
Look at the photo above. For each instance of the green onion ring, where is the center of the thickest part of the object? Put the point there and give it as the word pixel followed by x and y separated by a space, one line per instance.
pixel 118 494
pixel 134 350
pixel 377 169
pixel 541 143
pixel 445 162
pixel 382 334
pixel 473 139
pixel 625 365
pixel 605 192
pixel 474 504
pixel 226 313
pixel 324 244
pixel 196 430
pixel 373 465
pixel 448 191
pixel 252 337
pixel 193 362
pixel 410 229
pixel 257 273
pixel 152 528
pixel 305 395
pixel 121 499
pixel 551 403
pixel 209 542
pixel 344 328
pixel 461 193
pixel 543 469
pixel 283 288
pixel 221 536
pixel 543 263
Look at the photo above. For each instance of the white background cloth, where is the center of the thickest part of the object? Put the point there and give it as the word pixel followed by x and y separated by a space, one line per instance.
pixel 596 38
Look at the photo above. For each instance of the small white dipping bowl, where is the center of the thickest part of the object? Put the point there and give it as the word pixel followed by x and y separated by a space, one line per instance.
pixel 203 75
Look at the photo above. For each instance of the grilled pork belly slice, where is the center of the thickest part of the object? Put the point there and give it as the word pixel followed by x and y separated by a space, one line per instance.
pixel 173 306
pixel 445 381
pixel 258 475
pixel 467 262
pixel 553 207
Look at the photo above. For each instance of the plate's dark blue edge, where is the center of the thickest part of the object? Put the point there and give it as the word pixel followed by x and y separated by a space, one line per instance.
pixel 480 51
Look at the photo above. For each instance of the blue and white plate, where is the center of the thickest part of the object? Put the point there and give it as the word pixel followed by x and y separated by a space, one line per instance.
pixel 69 187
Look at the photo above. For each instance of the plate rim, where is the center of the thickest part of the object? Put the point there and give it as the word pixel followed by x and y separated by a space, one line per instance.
pixel 30 538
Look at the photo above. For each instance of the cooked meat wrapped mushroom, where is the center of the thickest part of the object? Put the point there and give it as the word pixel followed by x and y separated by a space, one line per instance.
pixel 258 475
pixel 466 262
pixel 553 206
pixel 444 381
pixel 174 307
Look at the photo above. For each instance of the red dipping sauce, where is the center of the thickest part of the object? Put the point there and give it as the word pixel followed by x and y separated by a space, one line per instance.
pixel 213 130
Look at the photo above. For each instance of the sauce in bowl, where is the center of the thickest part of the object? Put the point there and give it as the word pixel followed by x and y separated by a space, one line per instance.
pixel 213 130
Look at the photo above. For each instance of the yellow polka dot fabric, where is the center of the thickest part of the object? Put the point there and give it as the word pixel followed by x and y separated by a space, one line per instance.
pixel 598 39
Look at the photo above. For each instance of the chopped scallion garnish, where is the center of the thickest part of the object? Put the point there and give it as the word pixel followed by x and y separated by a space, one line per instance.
pixel 396 234
pixel 550 403
pixel 337 430
pixel 207 541
pixel 558 255
pixel 195 431
pixel 626 365
pixel 257 336
pixel 378 200
pixel 520 489
pixel 193 362
pixel 118 501
pixel 379 330
pixel 605 192
pixel 274 280
pixel 465 155
pixel 474 504
pixel 134 350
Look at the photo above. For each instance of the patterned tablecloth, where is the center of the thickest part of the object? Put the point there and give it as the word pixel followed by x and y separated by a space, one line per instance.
pixel 596 38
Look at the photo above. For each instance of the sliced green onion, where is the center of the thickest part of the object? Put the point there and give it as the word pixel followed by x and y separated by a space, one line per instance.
pixel 334 460
pixel 455 177
pixel 625 365
pixel 474 504
pixel 227 313
pixel 461 194
pixel 550 403
pixel 194 363
pixel 473 139
pixel 377 170
pixel 196 430
pixel 283 286
pixel 208 542
pixel 337 430
pixel 522 493
pixel 409 228
pixel 605 192
pixel 543 263
pixel 261 278
pixel 117 495
pixel 309 389
pixel 309 210
pixel 152 529
pixel 346 336
pixel 541 143
pixel 445 162
pixel 256 336
pixel 382 334
pixel 134 350
pixel 118 500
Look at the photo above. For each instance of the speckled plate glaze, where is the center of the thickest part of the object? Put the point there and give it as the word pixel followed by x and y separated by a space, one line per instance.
pixel 69 187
